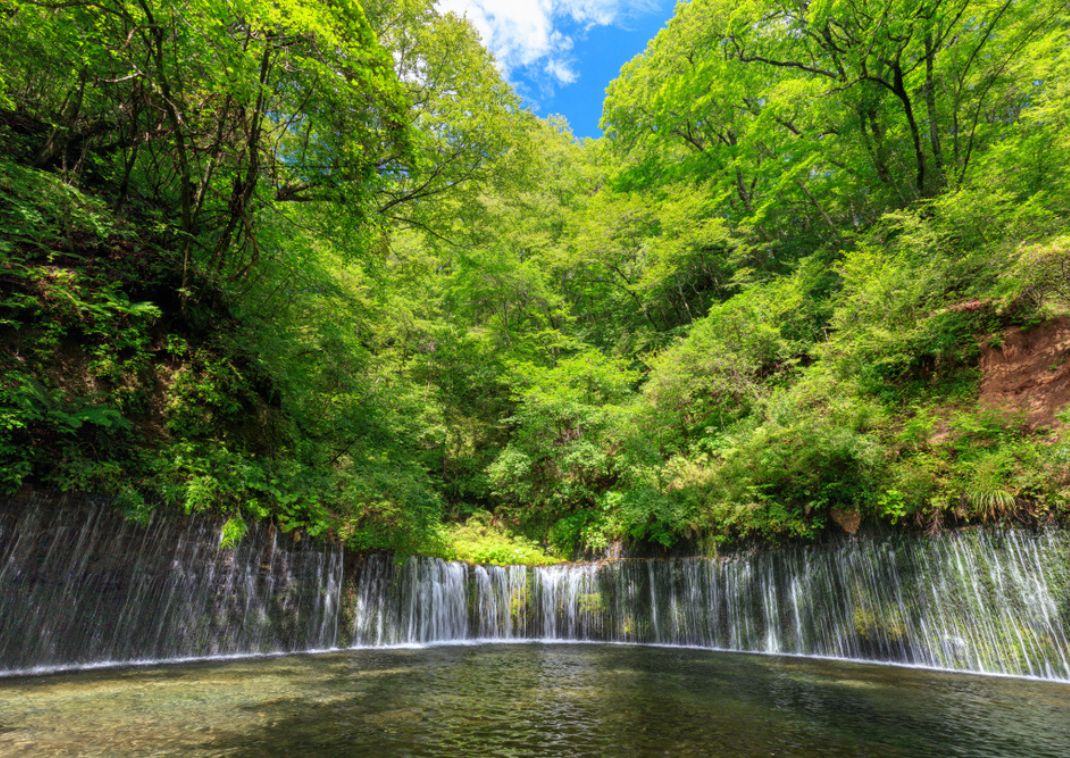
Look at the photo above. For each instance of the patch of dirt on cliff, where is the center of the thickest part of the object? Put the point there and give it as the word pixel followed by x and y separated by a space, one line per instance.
pixel 1030 371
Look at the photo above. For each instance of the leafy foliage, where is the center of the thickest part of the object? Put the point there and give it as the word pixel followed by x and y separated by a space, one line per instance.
pixel 312 262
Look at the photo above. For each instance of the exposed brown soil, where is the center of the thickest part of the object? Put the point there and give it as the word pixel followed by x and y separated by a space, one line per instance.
pixel 1029 372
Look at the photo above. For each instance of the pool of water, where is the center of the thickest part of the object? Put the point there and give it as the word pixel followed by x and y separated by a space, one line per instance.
pixel 531 699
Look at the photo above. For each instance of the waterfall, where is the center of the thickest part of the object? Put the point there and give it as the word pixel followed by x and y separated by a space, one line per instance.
pixel 81 585
pixel 428 602
pixel 992 601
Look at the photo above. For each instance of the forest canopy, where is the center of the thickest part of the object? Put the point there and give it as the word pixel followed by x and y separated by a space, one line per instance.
pixel 312 261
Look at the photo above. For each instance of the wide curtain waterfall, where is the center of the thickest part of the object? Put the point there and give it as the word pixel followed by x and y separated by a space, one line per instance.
pixel 80 585
pixel 987 601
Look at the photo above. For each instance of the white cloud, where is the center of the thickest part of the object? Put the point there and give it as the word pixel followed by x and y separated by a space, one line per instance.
pixel 561 71
pixel 530 33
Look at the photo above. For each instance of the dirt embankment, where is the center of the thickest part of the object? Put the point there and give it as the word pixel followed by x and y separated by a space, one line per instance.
pixel 1030 371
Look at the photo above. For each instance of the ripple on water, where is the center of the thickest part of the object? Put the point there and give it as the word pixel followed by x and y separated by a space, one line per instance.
pixel 532 700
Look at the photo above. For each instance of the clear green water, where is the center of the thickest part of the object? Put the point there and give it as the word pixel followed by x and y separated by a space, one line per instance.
pixel 531 699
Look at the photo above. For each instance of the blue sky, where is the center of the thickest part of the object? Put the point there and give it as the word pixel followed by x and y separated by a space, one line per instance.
pixel 561 54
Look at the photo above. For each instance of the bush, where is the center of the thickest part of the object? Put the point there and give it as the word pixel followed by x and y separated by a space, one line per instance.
pixel 480 540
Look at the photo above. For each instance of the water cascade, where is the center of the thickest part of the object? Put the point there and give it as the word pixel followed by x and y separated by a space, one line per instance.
pixel 80 585
pixel 983 600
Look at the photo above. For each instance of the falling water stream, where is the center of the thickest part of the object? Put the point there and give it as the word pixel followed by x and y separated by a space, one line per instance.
pixel 983 601
pixel 80 586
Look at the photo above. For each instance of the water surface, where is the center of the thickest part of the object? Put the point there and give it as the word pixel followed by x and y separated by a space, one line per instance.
pixel 531 699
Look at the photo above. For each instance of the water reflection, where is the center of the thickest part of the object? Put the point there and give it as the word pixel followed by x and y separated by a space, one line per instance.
pixel 532 700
